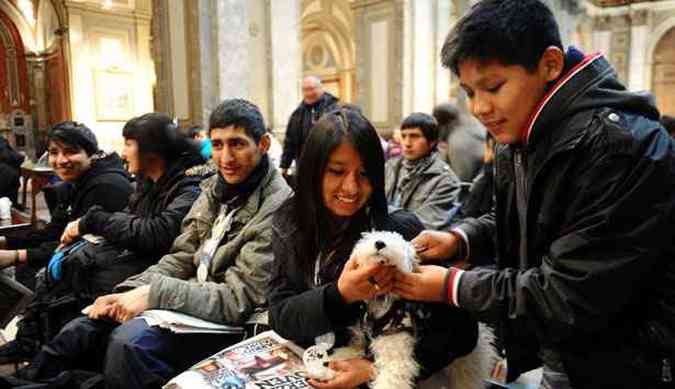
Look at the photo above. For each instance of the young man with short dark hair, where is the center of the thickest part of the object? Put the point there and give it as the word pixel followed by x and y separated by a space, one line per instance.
pixel 217 270
pixel 90 177
pixel 419 181
pixel 582 227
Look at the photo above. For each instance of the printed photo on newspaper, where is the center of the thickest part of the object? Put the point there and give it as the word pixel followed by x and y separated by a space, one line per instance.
pixel 265 361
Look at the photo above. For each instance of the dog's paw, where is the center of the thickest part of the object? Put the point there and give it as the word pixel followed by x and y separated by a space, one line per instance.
pixel 316 363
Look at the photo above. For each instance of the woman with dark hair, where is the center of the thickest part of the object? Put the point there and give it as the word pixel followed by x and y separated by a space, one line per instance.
pixel 315 289
pixel 166 165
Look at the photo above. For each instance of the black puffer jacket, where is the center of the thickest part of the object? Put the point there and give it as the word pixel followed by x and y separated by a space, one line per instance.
pixel 106 183
pixel 152 220
pixel 299 124
pixel 300 311
pixel 10 171
pixel 585 242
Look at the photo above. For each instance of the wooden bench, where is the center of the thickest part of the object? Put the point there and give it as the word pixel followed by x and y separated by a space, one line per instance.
pixel 20 221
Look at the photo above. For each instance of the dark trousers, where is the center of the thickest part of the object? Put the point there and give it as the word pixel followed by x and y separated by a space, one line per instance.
pixel 130 355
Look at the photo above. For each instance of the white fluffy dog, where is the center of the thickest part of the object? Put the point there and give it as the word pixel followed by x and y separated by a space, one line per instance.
pixel 388 329
pixel 386 325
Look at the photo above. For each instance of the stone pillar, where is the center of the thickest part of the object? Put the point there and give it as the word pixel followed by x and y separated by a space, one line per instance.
pixel 444 12
pixel 379 60
pixel 234 49
pixel 38 72
pixel 638 45
pixel 398 57
pixel 231 56
pixel 285 60
pixel 602 36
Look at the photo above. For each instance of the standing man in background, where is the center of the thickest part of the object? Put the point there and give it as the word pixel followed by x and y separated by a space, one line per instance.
pixel 315 102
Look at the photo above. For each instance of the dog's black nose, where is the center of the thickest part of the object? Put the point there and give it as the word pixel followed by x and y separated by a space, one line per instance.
pixel 380 245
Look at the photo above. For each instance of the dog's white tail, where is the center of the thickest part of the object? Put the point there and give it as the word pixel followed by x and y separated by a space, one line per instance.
pixel 469 371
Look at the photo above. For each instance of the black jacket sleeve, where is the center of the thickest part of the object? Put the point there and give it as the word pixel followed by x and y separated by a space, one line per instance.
pixel 110 195
pixel 150 234
pixel 297 312
pixel 291 140
pixel 611 238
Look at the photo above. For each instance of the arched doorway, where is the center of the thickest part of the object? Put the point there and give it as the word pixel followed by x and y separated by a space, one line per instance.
pixel 13 70
pixel 328 49
pixel 14 89
pixel 663 79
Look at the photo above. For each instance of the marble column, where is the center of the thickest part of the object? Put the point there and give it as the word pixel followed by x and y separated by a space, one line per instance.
pixel 285 60
pixel 638 57
pixel 231 56
pixel 379 60
pixel 398 57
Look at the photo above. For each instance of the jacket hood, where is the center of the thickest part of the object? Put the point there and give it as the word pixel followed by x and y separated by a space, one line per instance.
pixel 588 82
pixel 178 168
pixel 103 163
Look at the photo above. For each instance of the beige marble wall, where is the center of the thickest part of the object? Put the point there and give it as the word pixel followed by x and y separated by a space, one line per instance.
pixel 285 61
pixel 112 74
pixel 628 35
pixel 379 60
pixel 398 57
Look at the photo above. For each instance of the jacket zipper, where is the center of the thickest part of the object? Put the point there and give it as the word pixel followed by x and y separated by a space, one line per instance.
pixel 521 202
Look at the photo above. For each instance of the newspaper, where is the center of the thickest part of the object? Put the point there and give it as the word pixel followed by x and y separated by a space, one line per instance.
pixel 265 361
pixel 13 298
pixel 181 323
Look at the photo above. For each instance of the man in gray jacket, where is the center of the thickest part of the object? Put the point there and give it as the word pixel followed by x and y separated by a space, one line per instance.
pixel 217 270
pixel 419 181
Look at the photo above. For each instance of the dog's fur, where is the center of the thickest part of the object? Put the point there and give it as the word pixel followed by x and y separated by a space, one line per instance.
pixel 394 343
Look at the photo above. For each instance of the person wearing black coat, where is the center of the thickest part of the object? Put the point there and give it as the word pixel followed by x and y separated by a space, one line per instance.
pixel 582 226
pixel 10 171
pixel 91 177
pixel 315 103
pixel 315 289
pixel 169 169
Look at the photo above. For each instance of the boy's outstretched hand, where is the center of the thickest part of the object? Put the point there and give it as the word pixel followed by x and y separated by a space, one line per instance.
pixel 434 246
pixel 427 284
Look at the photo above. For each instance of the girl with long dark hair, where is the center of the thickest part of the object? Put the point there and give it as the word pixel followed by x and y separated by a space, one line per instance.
pixel 315 289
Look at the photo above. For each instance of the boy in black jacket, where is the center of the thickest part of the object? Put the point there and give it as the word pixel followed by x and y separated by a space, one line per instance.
pixel 582 227
pixel 91 177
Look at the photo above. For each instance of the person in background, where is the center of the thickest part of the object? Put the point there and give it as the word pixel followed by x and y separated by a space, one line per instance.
pixel 315 102
pixel 91 177
pixel 463 138
pixel 10 171
pixel 202 136
pixel 419 181
pixel 479 200
pixel 668 122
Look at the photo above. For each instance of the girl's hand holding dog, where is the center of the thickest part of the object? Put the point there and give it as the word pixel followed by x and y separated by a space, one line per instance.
pixel 358 283
pixel 348 374
pixel 426 284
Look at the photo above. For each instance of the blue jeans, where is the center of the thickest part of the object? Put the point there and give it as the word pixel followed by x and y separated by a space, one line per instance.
pixel 130 355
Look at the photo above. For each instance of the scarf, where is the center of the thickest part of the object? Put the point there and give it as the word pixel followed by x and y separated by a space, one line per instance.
pixel 234 195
